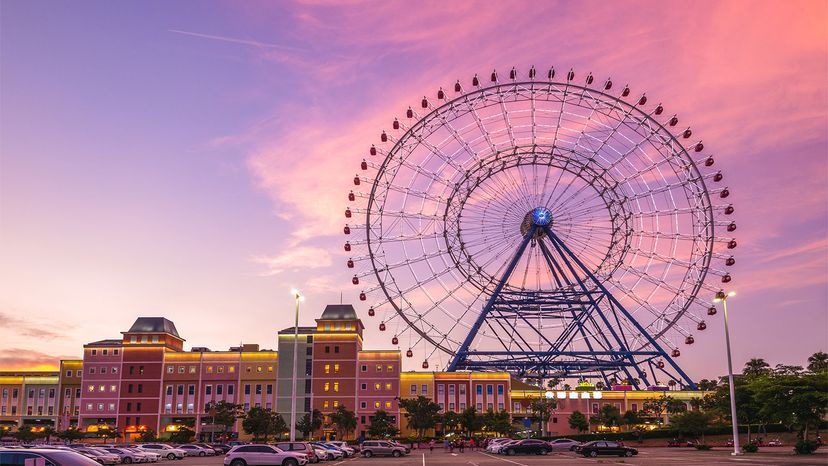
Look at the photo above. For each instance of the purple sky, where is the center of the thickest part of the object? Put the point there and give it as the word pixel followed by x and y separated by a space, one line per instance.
pixel 191 159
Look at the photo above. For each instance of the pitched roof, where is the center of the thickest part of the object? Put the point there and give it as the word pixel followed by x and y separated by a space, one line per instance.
pixel 153 325
pixel 339 312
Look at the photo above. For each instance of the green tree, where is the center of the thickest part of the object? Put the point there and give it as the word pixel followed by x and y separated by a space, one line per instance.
pixel 608 415
pixel 147 436
pixel 470 421
pixel 634 421
pixel 182 435
pixel 450 421
pixel 344 420
pixel 278 426
pixel 554 382
pixel 70 434
pixel 691 422
pixel 382 425
pixel 421 414
pixel 25 434
pixel 756 367
pixel 784 369
pixel 305 425
pixel 542 409
pixel 578 421
pixel 799 401
pixel 499 422
pixel 749 406
pixel 258 422
pixel 707 385
pixel 600 385
pixel 224 414
pixel 818 362
pixel 109 433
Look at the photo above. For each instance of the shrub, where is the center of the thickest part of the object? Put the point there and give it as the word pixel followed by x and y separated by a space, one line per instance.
pixel 750 448
pixel 805 447
pixel 702 447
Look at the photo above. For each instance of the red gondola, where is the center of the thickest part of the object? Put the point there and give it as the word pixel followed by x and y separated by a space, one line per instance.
pixel 373 150
pixel 371 311
pixel 364 165
pixel 382 326
pixel 347 246
pixel 475 81
pixel 532 73
pixel 355 280
pixel 362 296
pixel 701 326
pixel 350 263
pixel 551 73
pixel 687 133
pixel 732 226
pixel 708 162
pixel 440 94
pixel 425 364
pixel 383 137
pixel 725 192
pixel 699 147
pixel 674 121
pixel 659 109
pixel 718 177
pixel 726 278
pixel 409 113
pixel 425 102
pixel 347 230
pixel 729 210
pixel 494 76
pixel 351 196
pixel 571 75
pixel 409 353
pixel 689 340
pixel 676 353
pixel 395 340
pixel 589 79
pixel 356 180
pixel 711 311
pixel 513 73
pixel 660 364
pixel 730 261
pixel 457 86
pixel 396 124
pixel 642 100
pixel 731 244
pixel 348 213
pixel 626 91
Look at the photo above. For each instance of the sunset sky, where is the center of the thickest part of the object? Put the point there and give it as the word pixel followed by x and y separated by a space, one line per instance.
pixel 192 159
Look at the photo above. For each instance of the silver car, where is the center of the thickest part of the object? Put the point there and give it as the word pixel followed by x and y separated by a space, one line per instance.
pixel 100 455
pixel 127 457
pixel 564 444
pixel 259 454
pixel 18 457
pixel 195 450
pixel 381 448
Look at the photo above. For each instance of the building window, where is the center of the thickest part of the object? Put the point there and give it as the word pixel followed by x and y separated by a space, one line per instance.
pixel 229 389
pixel 479 389
pixel 68 373
pixel 500 407
pixel 362 405
pixel 129 388
pixel 208 390
pixel 181 369
pixel 336 350
pixel 377 386
pixel 388 386
pixel 363 386
pixel 231 369
pixel 100 406
pixel 336 368
pixel 112 388
pixel 308 367
pixel 364 368
pixel 52 392
pixel 594 407
pixel 131 370
pixel 413 388
pixel 451 390
pixel 115 352
pixel 441 390
pixel 462 390
pixel 180 390
pixel 387 405
pixel 451 406
pixel 141 370
pixel 129 407
pixel 336 386
pixel 138 406
pixel 309 351
pixel 220 369
pixel 246 389
pixel 270 368
pixel 169 390
pixel 635 407
pixel 424 390
pixel 377 404
pixel 479 407
pixel 179 408
pixel 307 387
pixel 67 393
pixel 94 352
pixel 500 390
pixel 379 367
pixel 517 407
pixel 193 370
pixel 101 388
pixel 327 349
pixel 170 369
pixel 140 388
pixel 258 389
pixel 105 352
pixel 489 390
pixel 555 420
pixel 258 368
pixel 219 389
pixel 209 369
pixel 442 406
pixel 191 389
pixel 77 393
pixel 462 406
pixel 91 370
pixel 91 388
pixel 327 368
pixel 325 404
pixel 247 406
pixel 491 406
pixel 269 390
pixel 114 370
pixel 88 406
pixel 327 387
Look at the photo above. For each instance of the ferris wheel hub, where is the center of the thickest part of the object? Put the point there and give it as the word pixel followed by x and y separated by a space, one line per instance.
pixel 541 216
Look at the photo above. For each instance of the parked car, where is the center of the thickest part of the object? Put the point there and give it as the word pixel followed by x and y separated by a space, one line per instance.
pixel 490 446
pixel 152 457
pixel 564 444
pixel 498 448
pixel 259 454
pixel 192 449
pixel 407 448
pixel 127 456
pixel 775 443
pixel 223 447
pixel 321 453
pixel 299 447
pixel 527 447
pixel 54 456
pixel 331 453
pixel 164 450
pixel 207 446
pixel 381 448
pixel 100 455
pixel 347 450
pixel 603 447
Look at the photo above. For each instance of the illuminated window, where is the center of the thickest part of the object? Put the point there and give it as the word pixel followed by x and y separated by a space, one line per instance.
pixel 270 368
pixel 388 386
pixel 390 368
pixel 112 388
pixel 387 405
pixel 209 369
pixel 114 370
pixel 377 386
pixel 232 369
pixel 336 403
pixel 336 386
pixel 192 369
pixel 325 404
pixel 89 406
pixel 220 369
pixel 379 367
pixel 170 369
pixel 327 386
pixel 376 404
pixel 101 388
pixel 336 368
pixel 181 369
pixel 258 368
pixel 100 406
pixel 91 388
pixel 327 368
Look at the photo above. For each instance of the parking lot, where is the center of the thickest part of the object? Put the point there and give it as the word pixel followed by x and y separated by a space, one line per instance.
pixel 646 457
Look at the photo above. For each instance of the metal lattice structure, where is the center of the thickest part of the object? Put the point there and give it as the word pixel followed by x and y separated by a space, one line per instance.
pixel 546 227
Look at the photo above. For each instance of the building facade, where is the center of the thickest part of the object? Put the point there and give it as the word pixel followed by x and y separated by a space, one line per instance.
pixel 145 380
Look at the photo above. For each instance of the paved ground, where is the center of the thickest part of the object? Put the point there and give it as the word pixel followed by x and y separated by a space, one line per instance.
pixel 646 457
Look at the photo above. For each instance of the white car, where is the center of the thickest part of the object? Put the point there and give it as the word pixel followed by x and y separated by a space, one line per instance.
pixel 151 456
pixel 347 450
pixel 321 454
pixel 260 454
pixel 494 442
pixel 564 444
pixel 498 447
pixel 195 450
pixel 165 451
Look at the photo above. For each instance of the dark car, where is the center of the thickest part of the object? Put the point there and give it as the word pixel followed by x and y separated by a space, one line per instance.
pixel 604 447
pixel 527 447
pixel 223 447
pixel 18 457
pixel 299 447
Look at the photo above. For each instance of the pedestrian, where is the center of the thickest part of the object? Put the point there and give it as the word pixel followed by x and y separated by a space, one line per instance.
pixel 462 445
pixel 431 445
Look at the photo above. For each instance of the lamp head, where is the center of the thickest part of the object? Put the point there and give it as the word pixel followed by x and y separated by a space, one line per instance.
pixel 296 294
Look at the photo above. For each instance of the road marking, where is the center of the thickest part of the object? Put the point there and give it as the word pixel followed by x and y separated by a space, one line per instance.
pixel 503 459
pixel 424 457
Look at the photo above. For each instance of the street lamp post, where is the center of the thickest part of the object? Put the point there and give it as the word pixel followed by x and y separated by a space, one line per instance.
pixel 722 297
pixel 548 395
pixel 298 297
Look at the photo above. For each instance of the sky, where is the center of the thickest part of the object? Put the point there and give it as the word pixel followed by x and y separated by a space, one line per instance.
pixel 192 159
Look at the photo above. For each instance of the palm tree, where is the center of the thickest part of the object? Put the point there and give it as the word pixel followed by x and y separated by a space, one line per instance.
pixel 756 367
pixel 672 384
pixel 818 362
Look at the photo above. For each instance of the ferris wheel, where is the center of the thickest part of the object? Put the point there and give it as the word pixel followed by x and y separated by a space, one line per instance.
pixel 541 225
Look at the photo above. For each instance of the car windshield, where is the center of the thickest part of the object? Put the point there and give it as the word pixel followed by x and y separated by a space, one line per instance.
pixel 69 457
